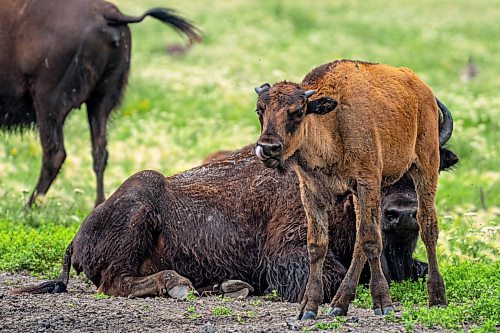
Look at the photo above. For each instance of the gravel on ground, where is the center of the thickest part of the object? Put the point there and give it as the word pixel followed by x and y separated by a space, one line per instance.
pixel 82 310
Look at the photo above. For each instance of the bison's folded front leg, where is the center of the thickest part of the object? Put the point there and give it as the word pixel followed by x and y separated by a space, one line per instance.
pixel 163 283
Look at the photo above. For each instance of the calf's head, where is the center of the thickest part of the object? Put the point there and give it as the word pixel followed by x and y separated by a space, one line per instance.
pixel 282 110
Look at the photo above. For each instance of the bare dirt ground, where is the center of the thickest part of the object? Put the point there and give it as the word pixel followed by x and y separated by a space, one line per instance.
pixel 82 310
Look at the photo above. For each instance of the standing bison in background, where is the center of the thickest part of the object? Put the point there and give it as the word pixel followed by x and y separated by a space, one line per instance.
pixel 57 55
pixel 231 218
pixel 356 126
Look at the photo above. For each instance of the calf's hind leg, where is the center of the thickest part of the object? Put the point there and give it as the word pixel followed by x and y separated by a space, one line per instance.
pixel 163 283
pixel 371 242
pixel 426 185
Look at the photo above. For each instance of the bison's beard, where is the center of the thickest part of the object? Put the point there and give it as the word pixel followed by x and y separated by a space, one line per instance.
pixel 283 166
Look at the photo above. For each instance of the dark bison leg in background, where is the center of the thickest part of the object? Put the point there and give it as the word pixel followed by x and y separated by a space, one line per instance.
pixel 163 283
pixel 105 97
pixel 98 118
pixel 52 141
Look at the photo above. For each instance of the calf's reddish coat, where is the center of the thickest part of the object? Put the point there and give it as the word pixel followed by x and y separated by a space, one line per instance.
pixel 355 126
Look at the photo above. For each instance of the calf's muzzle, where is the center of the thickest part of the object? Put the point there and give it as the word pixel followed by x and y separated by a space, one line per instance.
pixel 269 152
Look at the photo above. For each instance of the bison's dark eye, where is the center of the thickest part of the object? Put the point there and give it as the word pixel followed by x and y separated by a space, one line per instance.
pixel 296 115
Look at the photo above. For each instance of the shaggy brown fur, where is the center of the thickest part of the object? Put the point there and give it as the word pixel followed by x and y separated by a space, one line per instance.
pixel 229 219
pixel 57 55
pixel 384 122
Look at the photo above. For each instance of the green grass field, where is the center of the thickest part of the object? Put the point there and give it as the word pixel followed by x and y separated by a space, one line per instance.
pixel 179 109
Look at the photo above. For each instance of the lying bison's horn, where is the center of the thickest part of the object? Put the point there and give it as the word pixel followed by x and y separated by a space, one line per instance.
pixel 446 125
pixel 309 93
pixel 262 88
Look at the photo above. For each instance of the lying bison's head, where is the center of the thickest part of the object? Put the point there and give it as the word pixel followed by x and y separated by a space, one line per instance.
pixel 282 109
pixel 399 213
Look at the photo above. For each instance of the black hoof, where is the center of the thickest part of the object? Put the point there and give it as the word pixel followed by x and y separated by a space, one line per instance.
pixel 377 311
pixel 308 315
pixel 336 312
pixel 388 310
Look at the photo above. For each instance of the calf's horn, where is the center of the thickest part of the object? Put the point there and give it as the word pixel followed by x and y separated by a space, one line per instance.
pixel 309 93
pixel 262 88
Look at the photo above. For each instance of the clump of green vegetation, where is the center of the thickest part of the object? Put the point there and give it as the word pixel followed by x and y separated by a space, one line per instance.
pixel 192 313
pixel 274 296
pixel 472 291
pixel 38 250
pixel 191 296
pixel 225 299
pixel 329 326
pixel 100 296
pixel 255 302
pixel 221 310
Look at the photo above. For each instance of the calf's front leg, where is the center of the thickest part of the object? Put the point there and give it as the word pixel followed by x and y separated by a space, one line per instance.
pixel 317 246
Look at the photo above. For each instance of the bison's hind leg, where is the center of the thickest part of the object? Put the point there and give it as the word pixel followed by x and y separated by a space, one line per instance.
pixel 106 96
pixel 163 283
pixel 425 180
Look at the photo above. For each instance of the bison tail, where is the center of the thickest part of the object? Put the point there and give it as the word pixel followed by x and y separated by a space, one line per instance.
pixel 166 15
pixel 54 286
pixel 446 125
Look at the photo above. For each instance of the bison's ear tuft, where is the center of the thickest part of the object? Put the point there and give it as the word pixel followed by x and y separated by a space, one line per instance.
pixel 321 106
pixel 447 159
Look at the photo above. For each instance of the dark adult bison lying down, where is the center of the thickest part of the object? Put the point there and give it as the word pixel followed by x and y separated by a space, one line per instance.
pixel 229 219
pixel 55 56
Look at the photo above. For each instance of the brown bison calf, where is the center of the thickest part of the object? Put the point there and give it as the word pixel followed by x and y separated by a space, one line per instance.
pixel 355 126
pixel 55 56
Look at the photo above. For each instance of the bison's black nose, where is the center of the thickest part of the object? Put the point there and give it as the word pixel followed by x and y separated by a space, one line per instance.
pixel 402 218
pixel 266 151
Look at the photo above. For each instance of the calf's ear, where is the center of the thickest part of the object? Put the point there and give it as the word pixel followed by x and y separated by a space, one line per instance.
pixel 321 106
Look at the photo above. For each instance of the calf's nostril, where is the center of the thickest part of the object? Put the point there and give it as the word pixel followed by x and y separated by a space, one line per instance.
pixel 275 149
pixel 271 150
